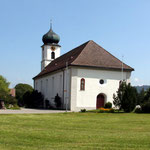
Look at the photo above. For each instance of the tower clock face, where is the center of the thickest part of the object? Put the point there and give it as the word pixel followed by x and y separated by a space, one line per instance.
pixel 53 48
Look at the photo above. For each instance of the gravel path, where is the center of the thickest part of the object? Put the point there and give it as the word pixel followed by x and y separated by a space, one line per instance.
pixel 29 111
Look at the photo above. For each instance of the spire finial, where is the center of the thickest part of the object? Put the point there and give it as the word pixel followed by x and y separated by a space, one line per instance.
pixel 51 24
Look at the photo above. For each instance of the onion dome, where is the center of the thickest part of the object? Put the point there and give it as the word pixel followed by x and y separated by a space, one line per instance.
pixel 50 37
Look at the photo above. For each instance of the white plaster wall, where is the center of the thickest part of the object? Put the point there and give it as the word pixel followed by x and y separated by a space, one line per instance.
pixel 46 55
pixel 87 99
pixel 47 52
pixel 74 91
pixel 67 88
pixel 55 83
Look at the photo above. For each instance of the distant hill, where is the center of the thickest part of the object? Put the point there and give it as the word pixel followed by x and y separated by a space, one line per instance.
pixel 139 88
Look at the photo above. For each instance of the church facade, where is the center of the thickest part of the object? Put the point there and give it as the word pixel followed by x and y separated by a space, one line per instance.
pixel 84 78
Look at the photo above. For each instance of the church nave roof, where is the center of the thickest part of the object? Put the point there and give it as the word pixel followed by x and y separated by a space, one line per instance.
pixel 88 54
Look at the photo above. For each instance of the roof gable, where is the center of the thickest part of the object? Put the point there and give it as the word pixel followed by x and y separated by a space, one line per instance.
pixel 96 56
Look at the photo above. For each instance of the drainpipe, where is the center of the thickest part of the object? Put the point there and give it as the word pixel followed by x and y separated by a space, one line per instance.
pixel 66 85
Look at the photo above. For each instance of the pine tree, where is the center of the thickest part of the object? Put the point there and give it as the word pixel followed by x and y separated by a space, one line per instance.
pixel 141 96
pixel 147 95
pixel 126 97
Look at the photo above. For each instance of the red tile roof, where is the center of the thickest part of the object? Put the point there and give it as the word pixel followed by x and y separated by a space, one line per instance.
pixel 88 54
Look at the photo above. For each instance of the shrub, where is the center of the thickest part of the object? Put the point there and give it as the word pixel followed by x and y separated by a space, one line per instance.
pixel 10 101
pixel 33 99
pixel 15 107
pixel 57 101
pixel 108 105
pixel 146 107
pixel 47 103
pixel 83 110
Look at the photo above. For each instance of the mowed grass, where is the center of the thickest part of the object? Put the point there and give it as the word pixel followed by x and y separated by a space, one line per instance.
pixel 67 131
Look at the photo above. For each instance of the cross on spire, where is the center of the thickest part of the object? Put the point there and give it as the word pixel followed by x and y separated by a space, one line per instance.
pixel 51 24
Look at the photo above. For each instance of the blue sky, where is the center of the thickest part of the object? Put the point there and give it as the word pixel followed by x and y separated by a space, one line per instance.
pixel 121 27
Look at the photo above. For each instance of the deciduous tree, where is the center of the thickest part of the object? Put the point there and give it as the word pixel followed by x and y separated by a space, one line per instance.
pixel 4 88
pixel 21 89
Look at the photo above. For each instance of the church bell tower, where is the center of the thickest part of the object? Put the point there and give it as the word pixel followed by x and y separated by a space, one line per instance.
pixel 50 48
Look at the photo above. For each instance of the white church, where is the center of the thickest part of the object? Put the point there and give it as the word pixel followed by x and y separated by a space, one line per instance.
pixel 84 78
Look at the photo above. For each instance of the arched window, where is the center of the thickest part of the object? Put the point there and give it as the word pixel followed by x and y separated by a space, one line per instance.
pixel 82 84
pixel 52 55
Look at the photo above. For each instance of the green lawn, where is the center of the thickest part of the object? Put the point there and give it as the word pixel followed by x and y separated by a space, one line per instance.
pixel 84 131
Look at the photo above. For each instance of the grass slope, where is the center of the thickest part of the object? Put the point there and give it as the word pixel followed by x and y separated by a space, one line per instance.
pixel 75 131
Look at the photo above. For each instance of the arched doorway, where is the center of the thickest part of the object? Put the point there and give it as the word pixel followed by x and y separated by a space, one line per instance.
pixel 100 101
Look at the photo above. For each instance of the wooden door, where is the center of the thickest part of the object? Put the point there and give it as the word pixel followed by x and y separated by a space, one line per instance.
pixel 100 101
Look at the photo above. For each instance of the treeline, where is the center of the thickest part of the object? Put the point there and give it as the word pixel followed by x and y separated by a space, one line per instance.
pixel 143 87
pixel 26 96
